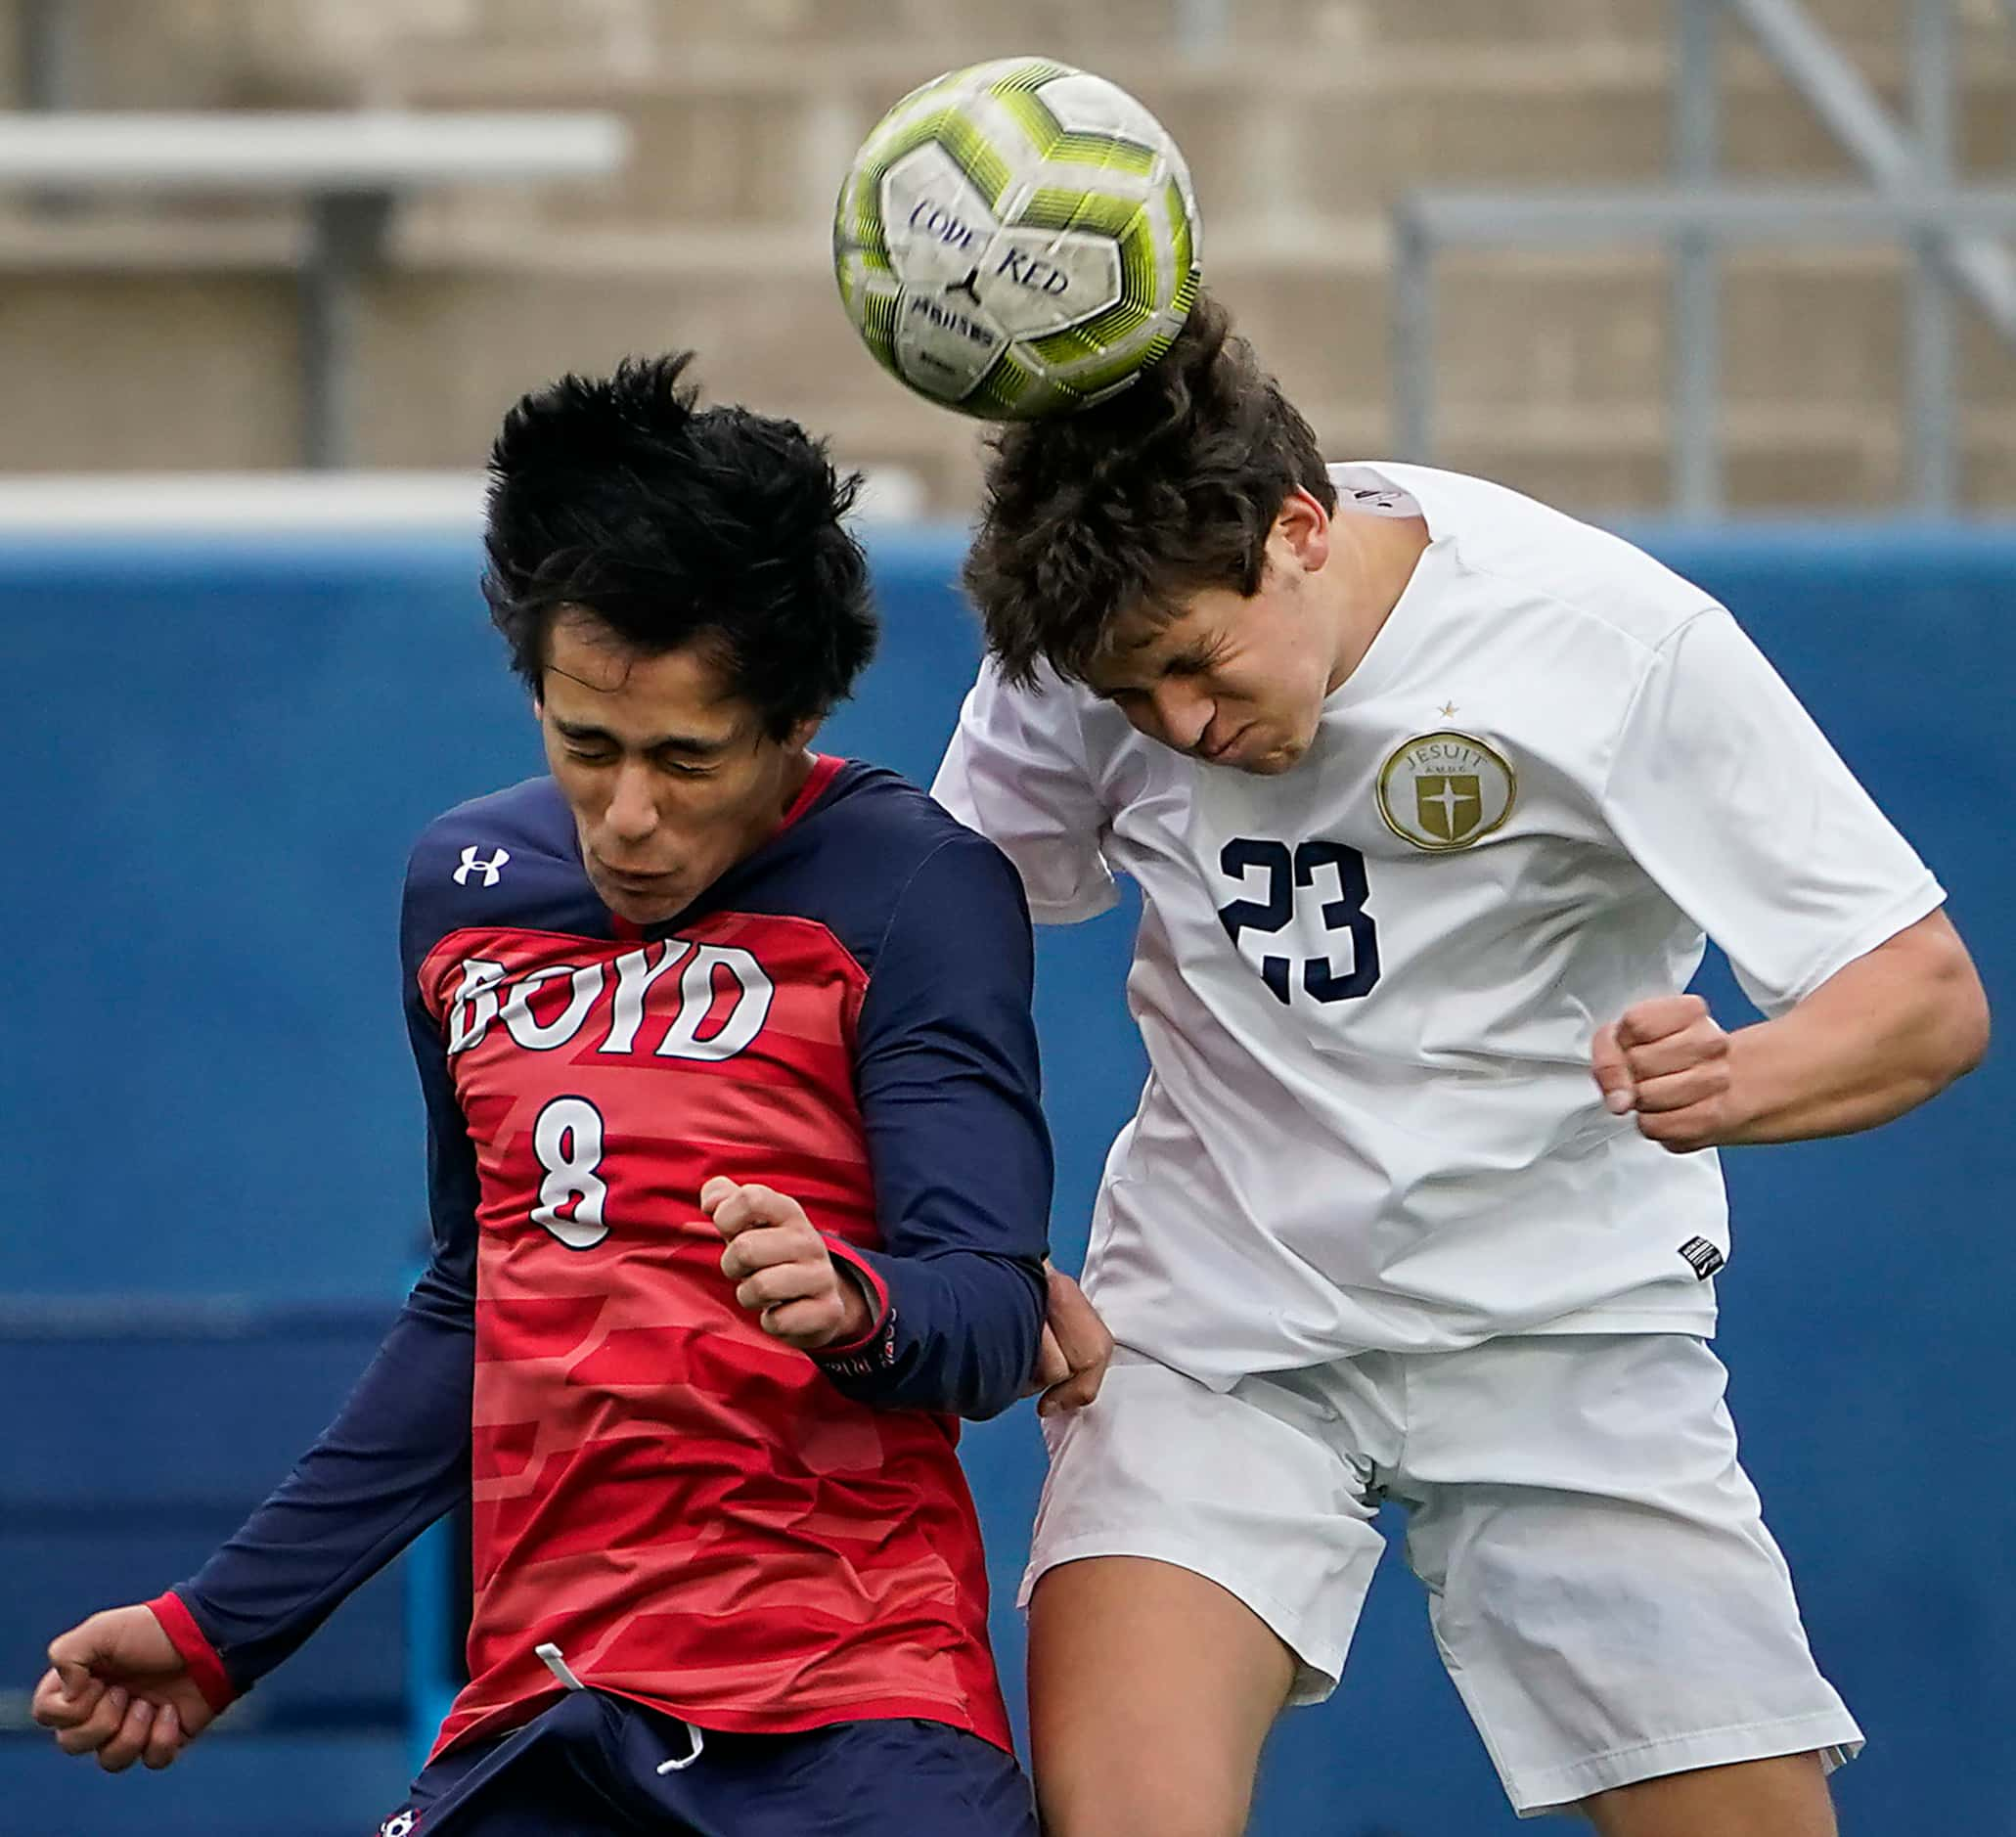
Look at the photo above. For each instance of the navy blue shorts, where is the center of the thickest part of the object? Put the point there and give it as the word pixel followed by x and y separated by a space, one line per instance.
pixel 591 1766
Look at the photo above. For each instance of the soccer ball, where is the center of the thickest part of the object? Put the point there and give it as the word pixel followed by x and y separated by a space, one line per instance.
pixel 1017 238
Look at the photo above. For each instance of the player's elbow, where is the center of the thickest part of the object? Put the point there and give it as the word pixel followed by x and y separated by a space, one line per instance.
pixel 981 1387
pixel 1966 1026
pixel 1956 1007
pixel 986 1401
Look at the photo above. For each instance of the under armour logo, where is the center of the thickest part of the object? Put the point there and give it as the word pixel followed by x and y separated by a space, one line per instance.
pixel 490 869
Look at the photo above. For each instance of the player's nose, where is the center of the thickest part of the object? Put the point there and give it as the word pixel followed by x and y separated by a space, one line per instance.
pixel 1182 711
pixel 632 815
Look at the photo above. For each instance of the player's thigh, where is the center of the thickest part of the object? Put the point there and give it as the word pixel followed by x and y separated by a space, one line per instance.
pixel 1602 1585
pixel 1199 1560
pixel 1785 1796
pixel 1151 1693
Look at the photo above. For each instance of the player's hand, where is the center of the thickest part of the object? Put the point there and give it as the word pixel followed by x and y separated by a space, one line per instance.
pixel 1669 1061
pixel 783 1272
pixel 117 1688
pixel 1071 1361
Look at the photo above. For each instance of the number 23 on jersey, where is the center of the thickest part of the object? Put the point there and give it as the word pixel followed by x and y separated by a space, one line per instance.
pixel 1281 886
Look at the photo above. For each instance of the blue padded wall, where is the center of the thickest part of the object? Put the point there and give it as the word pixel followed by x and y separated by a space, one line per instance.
pixel 216 757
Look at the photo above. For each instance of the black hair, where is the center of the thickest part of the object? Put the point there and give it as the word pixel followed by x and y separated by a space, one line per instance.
pixel 675 527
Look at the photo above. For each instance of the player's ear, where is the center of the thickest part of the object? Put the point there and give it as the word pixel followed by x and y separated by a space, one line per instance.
pixel 1305 525
pixel 800 737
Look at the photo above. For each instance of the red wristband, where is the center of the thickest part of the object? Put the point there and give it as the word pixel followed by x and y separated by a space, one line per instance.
pixel 873 1289
pixel 198 1653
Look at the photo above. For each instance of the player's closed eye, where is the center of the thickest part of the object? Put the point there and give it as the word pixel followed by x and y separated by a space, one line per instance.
pixel 1194 661
pixel 672 767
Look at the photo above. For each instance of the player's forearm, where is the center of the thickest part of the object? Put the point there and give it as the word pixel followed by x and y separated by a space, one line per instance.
pixel 394 1459
pixel 963 1333
pixel 1891 1029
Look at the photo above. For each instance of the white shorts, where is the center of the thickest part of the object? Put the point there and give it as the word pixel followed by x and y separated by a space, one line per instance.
pixel 1602 1588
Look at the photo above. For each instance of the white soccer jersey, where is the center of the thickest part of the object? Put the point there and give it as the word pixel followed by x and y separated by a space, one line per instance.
pixel 1367 986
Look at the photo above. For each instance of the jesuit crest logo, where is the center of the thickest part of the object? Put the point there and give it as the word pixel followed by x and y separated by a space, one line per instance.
pixel 1446 790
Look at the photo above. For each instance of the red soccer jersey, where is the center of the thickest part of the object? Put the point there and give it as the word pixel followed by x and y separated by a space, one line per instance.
pixel 696 1516
pixel 687 1507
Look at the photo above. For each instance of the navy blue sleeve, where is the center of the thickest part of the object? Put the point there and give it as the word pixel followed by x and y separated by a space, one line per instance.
pixel 396 1457
pixel 946 1073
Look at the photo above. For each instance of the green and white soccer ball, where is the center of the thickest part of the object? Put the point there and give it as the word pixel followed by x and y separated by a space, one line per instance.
pixel 1017 238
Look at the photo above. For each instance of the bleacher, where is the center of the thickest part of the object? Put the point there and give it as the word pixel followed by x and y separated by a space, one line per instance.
pixel 1302 118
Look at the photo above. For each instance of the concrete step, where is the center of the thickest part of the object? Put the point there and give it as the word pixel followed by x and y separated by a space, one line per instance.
pixel 736 137
pixel 197 52
pixel 1511 329
pixel 730 130
pixel 1800 326
pixel 138 371
pixel 1861 26
pixel 1534 358
pixel 197 373
pixel 1776 459
pixel 201 54
pixel 76 237
pixel 957 30
pixel 206 52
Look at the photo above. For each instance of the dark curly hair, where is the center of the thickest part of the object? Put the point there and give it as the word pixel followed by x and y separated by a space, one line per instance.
pixel 1131 505
pixel 677 525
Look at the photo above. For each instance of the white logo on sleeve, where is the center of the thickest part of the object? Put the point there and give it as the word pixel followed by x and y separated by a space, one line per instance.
pixel 491 871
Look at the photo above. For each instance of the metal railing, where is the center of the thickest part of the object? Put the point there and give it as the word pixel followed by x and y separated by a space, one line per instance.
pixel 1950 232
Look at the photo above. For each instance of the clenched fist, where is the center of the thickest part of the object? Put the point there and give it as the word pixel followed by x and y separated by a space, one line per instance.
pixel 1076 1348
pixel 782 1269
pixel 117 1688
pixel 1669 1061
